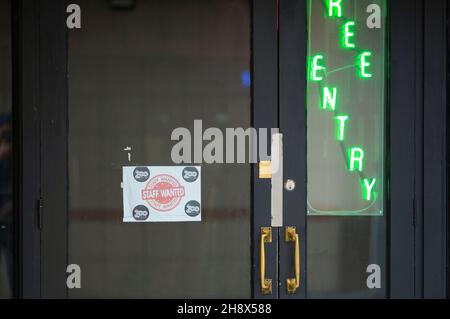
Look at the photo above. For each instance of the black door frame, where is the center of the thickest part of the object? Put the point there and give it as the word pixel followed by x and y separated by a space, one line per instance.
pixel 26 117
pixel 406 147
pixel 292 123
pixel 40 114
pixel 419 126
pixel 436 142
pixel 265 115
pixel 418 236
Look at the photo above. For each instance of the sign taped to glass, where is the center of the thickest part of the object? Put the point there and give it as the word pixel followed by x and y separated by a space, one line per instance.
pixel 161 194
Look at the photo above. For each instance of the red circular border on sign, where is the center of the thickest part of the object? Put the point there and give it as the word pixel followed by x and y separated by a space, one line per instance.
pixel 163 193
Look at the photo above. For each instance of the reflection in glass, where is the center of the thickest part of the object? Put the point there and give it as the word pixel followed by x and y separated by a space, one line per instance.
pixel 346 146
pixel 136 74
pixel 6 196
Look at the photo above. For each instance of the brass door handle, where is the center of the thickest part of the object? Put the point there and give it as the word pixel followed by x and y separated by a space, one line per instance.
pixel 266 284
pixel 293 284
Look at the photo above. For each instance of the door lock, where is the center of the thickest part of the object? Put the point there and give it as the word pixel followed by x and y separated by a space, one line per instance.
pixel 289 185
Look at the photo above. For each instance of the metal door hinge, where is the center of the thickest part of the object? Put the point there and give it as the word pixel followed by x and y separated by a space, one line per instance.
pixel 40 213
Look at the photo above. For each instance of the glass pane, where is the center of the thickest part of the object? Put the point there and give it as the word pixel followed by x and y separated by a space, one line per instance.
pixel 346 147
pixel 137 71
pixel 6 167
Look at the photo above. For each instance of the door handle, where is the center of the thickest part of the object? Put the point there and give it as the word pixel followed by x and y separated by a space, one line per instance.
pixel 293 284
pixel 266 284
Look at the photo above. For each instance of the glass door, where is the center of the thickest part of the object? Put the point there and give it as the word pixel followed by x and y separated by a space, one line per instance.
pixel 140 72
pixel 337 111
pixel 346 148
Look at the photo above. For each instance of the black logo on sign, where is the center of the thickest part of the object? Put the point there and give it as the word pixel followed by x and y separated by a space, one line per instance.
pixel 192 208
pixel 141 212
pixel 141 174
pixel 190 174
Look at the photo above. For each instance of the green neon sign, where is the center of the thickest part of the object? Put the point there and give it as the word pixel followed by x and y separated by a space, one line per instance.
pixel 316 68
pixel 364 65
pixel 348 36
pixel 334 8
pixel 356 159
pixel 346 80
pixel 329 100
pixel 342 120
pixel 368 187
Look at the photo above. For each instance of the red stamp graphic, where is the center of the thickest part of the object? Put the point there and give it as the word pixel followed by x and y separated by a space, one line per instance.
pixel 163 193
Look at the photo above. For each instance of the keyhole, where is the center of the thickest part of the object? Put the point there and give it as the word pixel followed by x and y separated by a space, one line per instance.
pixel 289 185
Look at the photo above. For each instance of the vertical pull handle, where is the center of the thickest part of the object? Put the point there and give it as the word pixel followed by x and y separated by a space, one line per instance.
pixel 293 284
pixel 266 284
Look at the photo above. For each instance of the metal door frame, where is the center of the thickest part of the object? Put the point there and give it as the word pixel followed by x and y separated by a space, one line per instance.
pixel 40 132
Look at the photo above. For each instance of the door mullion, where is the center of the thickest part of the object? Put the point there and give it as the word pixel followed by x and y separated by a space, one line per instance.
pixel 292 86
pixel 265 115
pixel 54 184
pixel 27 173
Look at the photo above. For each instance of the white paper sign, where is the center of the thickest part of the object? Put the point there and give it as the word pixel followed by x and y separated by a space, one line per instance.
pixel 161 194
